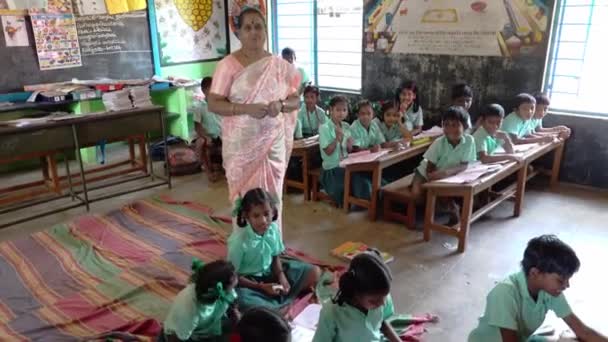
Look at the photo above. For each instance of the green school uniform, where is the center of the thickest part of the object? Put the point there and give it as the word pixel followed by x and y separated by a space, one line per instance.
pixel 211 122
pixel 297 133
pixel 484 142
pixel 515 125
pixel 390 133
pixel 366 137
pixel 304 77
pixel 252 254
pixel 510 306
pixel 444 155
pixel 311 121
pixel 189 320
pixel 327 135
pixel 535 124
pixel 345 323
pixel 413 119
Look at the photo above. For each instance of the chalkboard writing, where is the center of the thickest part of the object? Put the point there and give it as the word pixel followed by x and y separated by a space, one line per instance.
pixel 103 34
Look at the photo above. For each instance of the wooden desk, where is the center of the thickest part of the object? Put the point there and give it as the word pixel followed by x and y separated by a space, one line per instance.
pixel 303 149
pixel 468 191
pixel 376 168
pixel 77 132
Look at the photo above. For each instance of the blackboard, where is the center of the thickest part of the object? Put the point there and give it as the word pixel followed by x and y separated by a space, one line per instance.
pixel 112 46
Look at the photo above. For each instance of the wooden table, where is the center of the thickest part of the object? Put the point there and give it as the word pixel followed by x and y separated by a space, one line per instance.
pixel 468 191
pixel 79 131
pixel 303 149
pixel 376 168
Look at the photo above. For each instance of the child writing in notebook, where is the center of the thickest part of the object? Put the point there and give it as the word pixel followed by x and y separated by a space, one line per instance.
pixel 263 324
pixel 462 95
pixel 518 123
pixel 208 131
pixel 542 105
pixel 488 137
pixel 254 250
pixel 360 310
pixel 448 155
pixel 201 310
pixel 409 107
pixel 392 127
pixel 336 142
pixel 310 115
pixel 518 305
pixel 365 131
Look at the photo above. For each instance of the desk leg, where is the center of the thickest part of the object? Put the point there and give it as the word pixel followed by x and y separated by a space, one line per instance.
pixel 68 174
pixel 52 165
pixel 557 162
pixel 143 154
pixel 465 220
pixel 150 164
pixel 81 166
pixel 132 152
pixel 163 131
pixel 522 177
pixel 346 203
pixel 429 214
pixel 305 177
pixel 376 182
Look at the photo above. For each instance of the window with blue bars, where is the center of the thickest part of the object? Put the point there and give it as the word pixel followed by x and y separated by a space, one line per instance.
pixel 577 70
pixel 326 36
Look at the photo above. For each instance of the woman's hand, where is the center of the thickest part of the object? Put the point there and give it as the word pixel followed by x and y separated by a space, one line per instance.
pixel 257 110
pixel 274 108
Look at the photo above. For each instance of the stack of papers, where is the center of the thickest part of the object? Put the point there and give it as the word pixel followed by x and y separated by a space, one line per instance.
pixel 472 173
pixel 363 157
pixel 433 132
pixel 305 324
pixel 141 97
pixel 117 100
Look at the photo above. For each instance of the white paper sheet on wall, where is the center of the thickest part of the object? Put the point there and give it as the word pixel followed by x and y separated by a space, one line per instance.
pixel 26 4
pixel 90 7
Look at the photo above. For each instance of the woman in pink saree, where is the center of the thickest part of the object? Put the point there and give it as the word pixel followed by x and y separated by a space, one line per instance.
pixel 257 95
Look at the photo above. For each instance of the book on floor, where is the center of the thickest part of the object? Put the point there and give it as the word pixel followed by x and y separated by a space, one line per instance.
pixel 348 250
pixel 305 324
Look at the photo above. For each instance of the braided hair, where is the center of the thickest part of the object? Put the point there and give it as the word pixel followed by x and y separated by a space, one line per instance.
pixel 206 278
pixel 252 198
pixel 367 274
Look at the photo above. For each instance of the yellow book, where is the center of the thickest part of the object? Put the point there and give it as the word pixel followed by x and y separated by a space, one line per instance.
pixel 348 250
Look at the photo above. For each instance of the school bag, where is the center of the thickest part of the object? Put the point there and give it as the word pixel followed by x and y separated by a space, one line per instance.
pixel 183 160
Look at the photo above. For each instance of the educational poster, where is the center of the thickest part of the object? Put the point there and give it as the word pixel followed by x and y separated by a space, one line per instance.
pixel 15 31
pixel 90 7
pixel 56 41
pixel 234 9
pixel 191 30
pixel 506 28
pixel 20 7
pixel 124 6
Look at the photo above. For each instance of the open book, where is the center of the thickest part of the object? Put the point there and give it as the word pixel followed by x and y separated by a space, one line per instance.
pixel 348 250
pixel 305 324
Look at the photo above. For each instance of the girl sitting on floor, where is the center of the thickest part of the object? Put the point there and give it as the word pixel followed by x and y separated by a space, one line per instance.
pixel 204 310
pixel 254 250
pixel 360 310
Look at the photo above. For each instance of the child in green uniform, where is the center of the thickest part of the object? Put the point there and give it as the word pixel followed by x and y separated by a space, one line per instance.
pixel 448 155
pixel 336 142
pixel 462 95
pixel 517 306
pixel 392 127
pixel 263 324
pixel 518 124
pixel 310 115
pixel 201 310
pixel 362 306
pixel 254 250
pixel 208 130
pixel 409 107
pixel 365 130
pixel 542 104
pixel 488 137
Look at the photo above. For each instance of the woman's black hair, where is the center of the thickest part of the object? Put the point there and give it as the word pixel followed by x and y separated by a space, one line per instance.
pixel 207 277
pixel 493 109
pixel 338 99
pixel 254 197
pixel 247 10
pixel 367 274
pixel 549 254
pixel 411 85
pixel 456 113
pixel 263 324
pixel 312 89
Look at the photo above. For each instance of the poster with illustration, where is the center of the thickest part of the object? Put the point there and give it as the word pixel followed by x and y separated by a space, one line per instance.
pixel 90 7
pixel 15 31
pixel 234 8
pixel 20 7
pixel 191 30
pixel 56 41
pixel 51 6
pixel 508 28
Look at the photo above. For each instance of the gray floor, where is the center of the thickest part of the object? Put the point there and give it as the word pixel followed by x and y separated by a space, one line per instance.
pixel 428 277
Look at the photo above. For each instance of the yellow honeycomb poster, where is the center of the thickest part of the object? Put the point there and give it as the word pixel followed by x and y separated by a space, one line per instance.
pixel 191 30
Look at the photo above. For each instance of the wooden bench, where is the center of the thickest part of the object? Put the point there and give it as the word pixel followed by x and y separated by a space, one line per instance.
pixel 398 192
pixel 317 194
pixel 469 190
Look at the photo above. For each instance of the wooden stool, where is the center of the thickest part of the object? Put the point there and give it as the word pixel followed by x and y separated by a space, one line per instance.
pixel 399 192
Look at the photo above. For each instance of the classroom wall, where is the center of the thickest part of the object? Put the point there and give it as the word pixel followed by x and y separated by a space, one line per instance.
pixel 191 70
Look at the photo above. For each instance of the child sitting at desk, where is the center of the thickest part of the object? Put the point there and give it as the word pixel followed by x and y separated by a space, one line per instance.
pixel 462 95
pixel 365 130
pixel 542 104
pixel 488 137
pixel 208 130
pixel 336 142
pixel 310 115
pixel 392 126
pixel 517 306
pixel 409 107
pixel 448 155
pixel 518 124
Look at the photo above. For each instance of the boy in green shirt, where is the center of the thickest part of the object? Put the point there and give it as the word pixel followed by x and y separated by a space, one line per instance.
pixel 488 137
pixel 365 131
pixel 518 124
pixel 208 135
pixel 517 306
pixel 310 115
pixel 542 104
pixel 462 95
